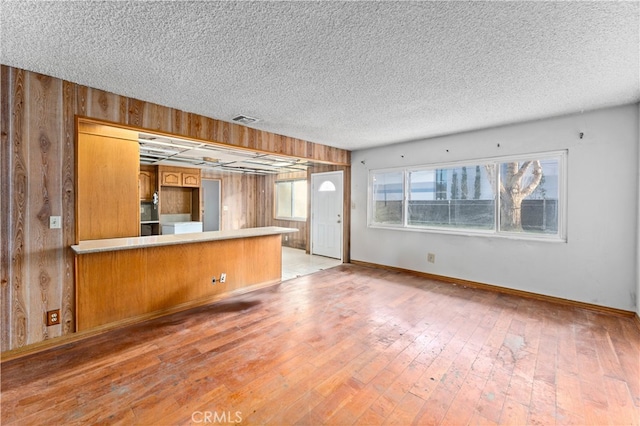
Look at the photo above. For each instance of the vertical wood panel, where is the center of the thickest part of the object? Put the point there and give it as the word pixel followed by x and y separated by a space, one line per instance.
pixel 102 105
pixel 135 112
pixel 197 126
pixel 156 117
pixel 5 248
pixel 240 135
pixel 45 245
pixel 179 124
pixel 68 207
pixel 18 198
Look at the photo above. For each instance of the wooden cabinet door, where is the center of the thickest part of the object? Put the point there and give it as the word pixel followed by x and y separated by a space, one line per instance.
pixel 191 179
pixel 147 183
pixel 170 178
pixel 107 185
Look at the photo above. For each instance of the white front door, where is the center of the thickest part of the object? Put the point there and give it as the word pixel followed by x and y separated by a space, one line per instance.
pixel 326 214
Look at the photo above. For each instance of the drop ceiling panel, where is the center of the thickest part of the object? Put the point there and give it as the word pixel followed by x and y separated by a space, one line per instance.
pixel 165 150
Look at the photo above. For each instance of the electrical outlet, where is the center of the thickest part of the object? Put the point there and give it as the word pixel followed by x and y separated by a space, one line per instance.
pixel 223 277
pixel 55 222
pixel 431 258
pixel 53 317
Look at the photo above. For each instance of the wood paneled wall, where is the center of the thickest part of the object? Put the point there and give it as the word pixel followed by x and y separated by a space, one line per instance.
pixel 266 208
pixel 238 193
pixel 37 180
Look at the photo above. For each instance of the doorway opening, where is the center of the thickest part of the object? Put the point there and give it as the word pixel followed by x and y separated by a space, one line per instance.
pixel 211 206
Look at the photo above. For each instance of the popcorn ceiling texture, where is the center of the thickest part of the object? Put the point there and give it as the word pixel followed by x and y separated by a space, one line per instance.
pixel 346 74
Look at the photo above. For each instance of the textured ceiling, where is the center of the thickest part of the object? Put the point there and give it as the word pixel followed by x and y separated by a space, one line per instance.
pixel 346 74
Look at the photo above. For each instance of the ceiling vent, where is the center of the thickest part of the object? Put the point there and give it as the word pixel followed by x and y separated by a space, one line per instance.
pixel 244 119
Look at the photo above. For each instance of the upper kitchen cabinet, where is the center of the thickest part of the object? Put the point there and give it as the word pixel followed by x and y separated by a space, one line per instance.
pixel 191 178
pixel 180 192
pixel 147 181
pixel 107 166
pixel 170 178
pixel 179 176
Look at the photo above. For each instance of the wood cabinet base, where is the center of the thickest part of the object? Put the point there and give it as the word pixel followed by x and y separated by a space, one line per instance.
pixel 119 286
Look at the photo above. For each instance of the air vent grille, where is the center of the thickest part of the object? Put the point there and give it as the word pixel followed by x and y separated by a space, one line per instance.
pixel 244 119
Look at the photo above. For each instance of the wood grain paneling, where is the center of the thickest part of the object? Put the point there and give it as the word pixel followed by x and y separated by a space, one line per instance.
pixel 38 175
pixel 5 211
pixel 67 278
pixel 175 200
pixel 267 211
pixel 101 105
pixel 238 193
pixel 19 226
pixel 43 135
pixel 121 285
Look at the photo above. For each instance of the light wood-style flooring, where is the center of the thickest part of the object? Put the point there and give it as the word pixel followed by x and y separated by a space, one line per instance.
pixel 347 345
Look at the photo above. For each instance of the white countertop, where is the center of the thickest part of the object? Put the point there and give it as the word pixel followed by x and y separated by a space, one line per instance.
pixel 113 244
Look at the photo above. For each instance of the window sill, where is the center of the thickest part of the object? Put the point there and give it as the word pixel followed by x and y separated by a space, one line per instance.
pixel 293 219
pixel 476 233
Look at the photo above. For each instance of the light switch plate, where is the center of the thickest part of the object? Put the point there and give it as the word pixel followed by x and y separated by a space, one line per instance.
pixel 55 222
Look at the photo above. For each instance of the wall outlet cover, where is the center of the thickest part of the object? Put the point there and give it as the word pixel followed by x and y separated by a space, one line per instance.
pixel 53 317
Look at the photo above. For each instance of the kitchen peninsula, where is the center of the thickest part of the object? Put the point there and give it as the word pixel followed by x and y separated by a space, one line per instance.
pixel 123 280
pixel 122 276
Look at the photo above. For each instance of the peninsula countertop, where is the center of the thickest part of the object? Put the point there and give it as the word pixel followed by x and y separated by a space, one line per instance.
pixel 129 243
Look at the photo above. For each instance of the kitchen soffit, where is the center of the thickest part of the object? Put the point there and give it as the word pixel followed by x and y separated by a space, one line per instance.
pixel 163 150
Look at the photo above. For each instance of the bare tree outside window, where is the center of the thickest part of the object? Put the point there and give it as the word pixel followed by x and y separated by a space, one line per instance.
pixel 514 188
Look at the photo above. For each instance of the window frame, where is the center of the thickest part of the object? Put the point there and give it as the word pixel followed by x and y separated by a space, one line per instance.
pixel 560 236
pixel 292 199
pixel 370 195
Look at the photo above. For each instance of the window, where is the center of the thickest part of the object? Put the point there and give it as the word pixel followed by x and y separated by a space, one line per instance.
pixel 454 197
pixel 520 196
pixel 388 192
pixel 327 186
pixel 529 196
pixel 291 200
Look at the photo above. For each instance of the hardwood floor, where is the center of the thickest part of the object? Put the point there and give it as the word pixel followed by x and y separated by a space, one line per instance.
pixel 347 345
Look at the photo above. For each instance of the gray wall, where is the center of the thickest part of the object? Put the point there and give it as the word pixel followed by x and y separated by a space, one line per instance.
pixel 598 263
